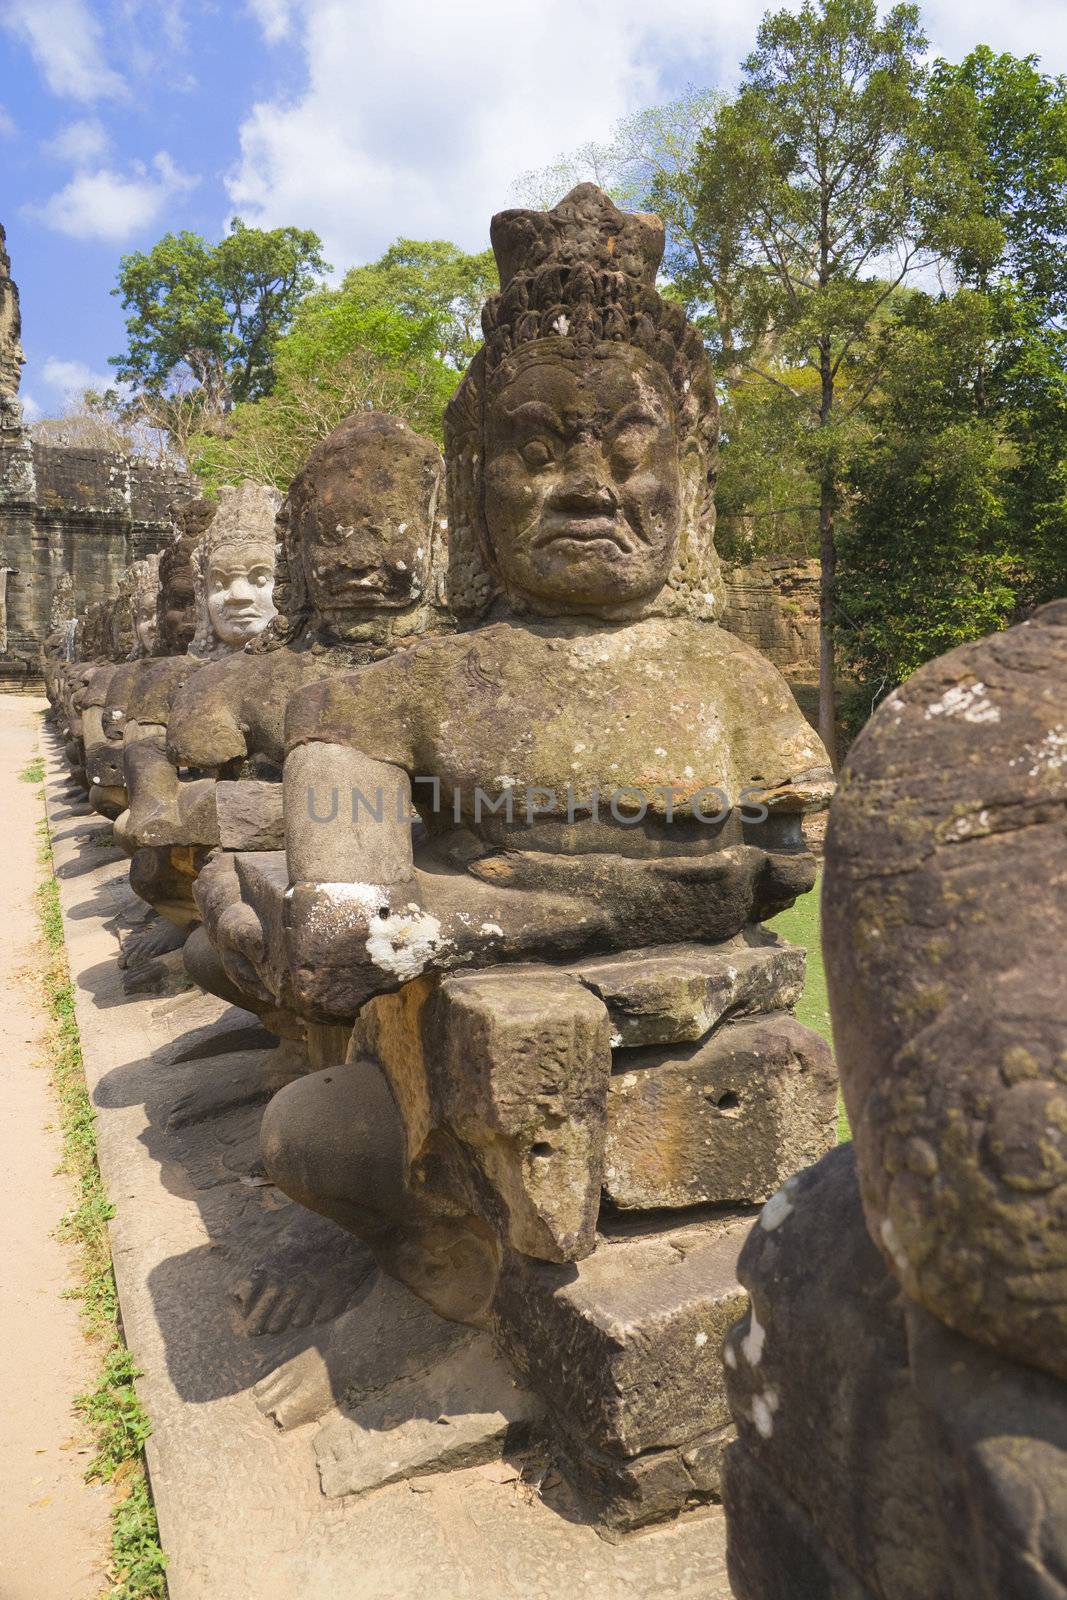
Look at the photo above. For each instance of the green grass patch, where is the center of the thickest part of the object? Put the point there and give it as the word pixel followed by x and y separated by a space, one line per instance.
pixel 802 924
pixel 119 1422
pixel 33 771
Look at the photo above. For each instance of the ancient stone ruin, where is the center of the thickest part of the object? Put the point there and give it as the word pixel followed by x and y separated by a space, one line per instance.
pixel 454 819
pixel 65 512
pixel 484 826
pixel 923 1452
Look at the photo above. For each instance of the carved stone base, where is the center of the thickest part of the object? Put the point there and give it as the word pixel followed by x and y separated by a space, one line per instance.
pixel 623 1349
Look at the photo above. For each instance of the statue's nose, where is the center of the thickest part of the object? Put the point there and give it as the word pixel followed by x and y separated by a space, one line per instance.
pixel 586 485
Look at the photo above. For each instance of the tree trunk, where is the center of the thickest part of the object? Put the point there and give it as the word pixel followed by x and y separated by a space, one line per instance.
pixel 828 565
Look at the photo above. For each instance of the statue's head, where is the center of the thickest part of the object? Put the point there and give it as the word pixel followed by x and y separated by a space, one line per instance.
pixel 234 570
pixel 176 596
pixel 361 540
pixel 582 441
pixel 139 588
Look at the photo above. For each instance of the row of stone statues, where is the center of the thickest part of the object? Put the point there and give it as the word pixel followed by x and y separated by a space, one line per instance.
pixel 453 778
pixel 482 812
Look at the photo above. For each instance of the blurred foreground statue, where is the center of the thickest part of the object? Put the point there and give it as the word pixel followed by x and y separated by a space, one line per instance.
pixel 899 1384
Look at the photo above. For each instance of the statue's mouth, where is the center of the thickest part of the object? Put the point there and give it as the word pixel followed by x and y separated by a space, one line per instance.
pixel 594 528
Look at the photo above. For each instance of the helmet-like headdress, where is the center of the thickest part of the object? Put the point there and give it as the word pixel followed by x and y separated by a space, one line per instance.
pixel 575 280
pixel 329 468
pixel 245 516
pixel 175 597
pixel 138 588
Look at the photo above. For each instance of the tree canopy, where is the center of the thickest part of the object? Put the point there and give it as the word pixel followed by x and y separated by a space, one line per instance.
pixel 210 316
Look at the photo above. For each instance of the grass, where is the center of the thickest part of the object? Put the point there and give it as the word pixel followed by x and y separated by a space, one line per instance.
pixel 33 771
pixel 119 1422
pixel 801 924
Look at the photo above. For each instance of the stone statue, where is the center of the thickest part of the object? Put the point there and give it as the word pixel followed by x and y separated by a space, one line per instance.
pixel 925 1452
pixel 58 647
pixel 221 570
pixel 360 575
pixel 132 637
pixel 611 788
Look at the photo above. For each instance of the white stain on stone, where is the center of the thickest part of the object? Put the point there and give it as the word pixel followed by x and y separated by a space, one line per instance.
pixel 778 1207
pixel 971 704
pixel 405 942
pixel 701 1340
pixel 1051 753
pixel 729 1355
pixel 764 1407
pixel 892 1243
pixel 754 1340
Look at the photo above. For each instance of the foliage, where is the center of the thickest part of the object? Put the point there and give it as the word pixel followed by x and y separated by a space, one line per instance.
pixel 209 317
pixel 433 284
pixel 339 356
pixel 959 515
pixel 394 337
pixel 808 190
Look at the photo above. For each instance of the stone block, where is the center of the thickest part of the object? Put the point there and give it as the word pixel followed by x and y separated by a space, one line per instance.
pixel 629 1492
pixel 726 1122
pixel 680 992
pixel 250 815
pixel 624 1347
pixel 518 1072
pixel 830 1471
pixel 467 1410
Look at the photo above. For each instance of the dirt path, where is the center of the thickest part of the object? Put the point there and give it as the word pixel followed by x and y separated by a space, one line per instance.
pixel 55 1535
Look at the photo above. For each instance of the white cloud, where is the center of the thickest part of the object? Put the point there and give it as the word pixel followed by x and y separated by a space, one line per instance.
pixel 70 379
pixel 417 119
pixel 113 206
pixel 80 143
pixel 64 37
pixel 30 409
pixel 7 124
pixel 1039 27
pixel 274 17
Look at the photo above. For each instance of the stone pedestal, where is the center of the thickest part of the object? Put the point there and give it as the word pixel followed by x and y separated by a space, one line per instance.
pixel 614 1123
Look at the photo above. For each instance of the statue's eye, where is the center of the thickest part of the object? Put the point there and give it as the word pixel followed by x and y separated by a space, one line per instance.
pixel 536 454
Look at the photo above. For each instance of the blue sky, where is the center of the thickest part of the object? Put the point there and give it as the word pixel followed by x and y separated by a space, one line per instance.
pixel 362 119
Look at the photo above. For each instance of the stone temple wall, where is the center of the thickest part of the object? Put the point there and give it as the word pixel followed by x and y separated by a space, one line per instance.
pixel 773 604
pixel 88 513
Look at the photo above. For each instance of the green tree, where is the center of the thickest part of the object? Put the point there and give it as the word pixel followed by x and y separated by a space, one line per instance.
pixel 958 511
pixel 207 318
pixel 928 552
pixel 809 182
pixel 434 284
pixel 340 355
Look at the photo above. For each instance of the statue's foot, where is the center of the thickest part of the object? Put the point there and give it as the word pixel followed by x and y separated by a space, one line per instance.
pixel 151 939
pixel 308 1271
pixel 241 1078
pixel 387 1335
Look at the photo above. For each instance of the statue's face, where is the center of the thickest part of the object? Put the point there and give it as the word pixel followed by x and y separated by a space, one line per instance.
pixel 177 602
pixel 145 625
pixel 582 484
pixel 365 531
pixel 240 589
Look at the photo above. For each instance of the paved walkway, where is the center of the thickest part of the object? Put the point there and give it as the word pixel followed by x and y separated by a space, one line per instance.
pixel 55 1538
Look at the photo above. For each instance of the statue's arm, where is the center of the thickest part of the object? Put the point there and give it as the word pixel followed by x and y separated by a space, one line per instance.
pixel 347 819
